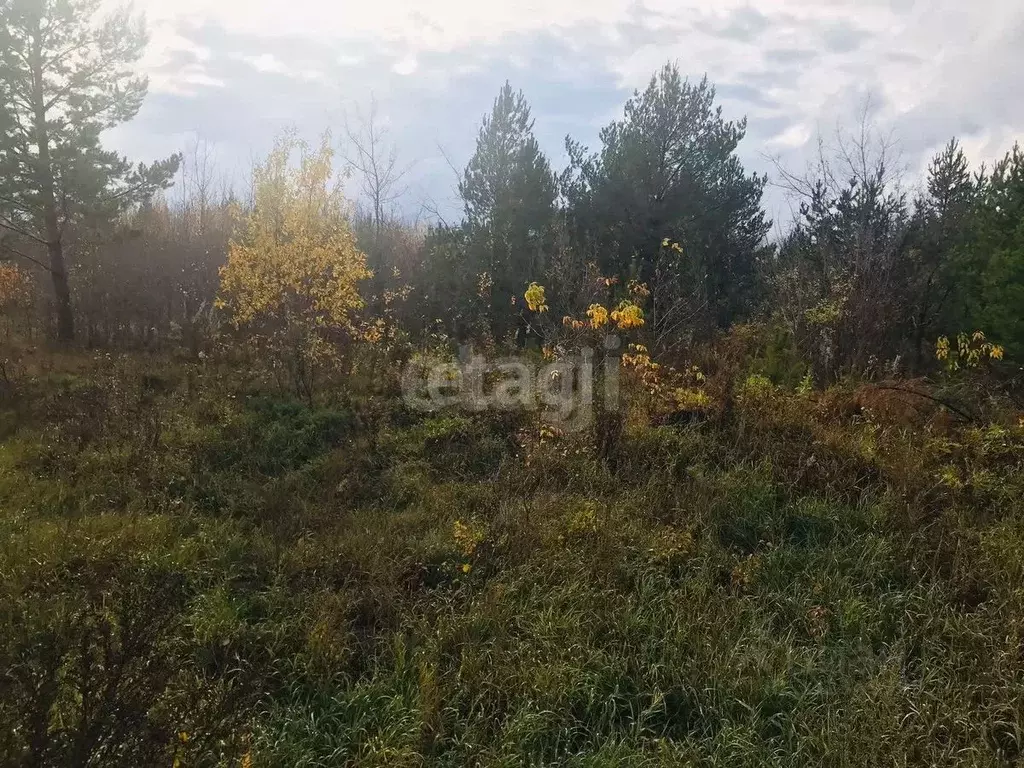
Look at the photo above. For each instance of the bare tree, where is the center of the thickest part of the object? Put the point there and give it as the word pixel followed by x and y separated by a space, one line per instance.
pixel 430 206
pixel 375 158
pixel 839 276
pixel 198 170
pixel 152 276
pixel 862 156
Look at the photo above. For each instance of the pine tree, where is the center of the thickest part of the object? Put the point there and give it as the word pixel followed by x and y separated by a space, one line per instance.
pixel 509 195
pixel 63 81
pixel 996 301
pixel 668 169
pixel 937 260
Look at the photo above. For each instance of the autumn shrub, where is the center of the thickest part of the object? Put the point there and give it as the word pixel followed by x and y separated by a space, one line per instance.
pixel 17 301
pixel 291 282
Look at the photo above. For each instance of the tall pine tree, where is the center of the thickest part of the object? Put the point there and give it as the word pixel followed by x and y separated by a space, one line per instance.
pixel 937 260
pixel 996 301
pixel 64 80
pixel 509 194
pixel 668 169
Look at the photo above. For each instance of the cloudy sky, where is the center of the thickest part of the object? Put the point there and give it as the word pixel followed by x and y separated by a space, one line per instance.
pixel 236 72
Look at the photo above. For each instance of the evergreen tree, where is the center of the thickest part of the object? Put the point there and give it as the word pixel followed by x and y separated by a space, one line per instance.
pixel 995 303
pixel 936 261
pixel 509 194
pixel 842 272
pixel 63 81
pixel 668 169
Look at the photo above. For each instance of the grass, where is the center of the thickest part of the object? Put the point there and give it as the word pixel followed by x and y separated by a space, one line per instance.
pixel 195 571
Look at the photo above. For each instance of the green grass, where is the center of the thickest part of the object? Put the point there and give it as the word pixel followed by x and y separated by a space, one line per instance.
pixel 198 571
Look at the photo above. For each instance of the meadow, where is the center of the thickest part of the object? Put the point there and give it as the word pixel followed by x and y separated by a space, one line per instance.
pixel 786 528
pixel 200 570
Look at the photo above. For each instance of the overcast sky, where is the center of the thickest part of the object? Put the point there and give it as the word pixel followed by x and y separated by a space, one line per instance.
pixel 236 72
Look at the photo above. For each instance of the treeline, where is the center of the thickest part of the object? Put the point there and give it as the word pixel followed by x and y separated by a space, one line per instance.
pixel 867 277
pixel 865 280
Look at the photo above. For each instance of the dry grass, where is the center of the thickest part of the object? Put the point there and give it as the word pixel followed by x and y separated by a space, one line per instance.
pixel 195 570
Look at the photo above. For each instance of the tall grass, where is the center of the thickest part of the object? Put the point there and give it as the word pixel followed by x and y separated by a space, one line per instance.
pixel 194 571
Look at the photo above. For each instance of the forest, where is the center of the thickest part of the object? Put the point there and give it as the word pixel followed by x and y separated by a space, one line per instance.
pixel 612 470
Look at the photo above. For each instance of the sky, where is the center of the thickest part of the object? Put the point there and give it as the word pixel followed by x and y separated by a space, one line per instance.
pixel 235 73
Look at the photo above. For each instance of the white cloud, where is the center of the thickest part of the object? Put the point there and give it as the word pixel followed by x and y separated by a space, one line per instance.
pixel 406 65
pixel 933 69
pixel 265 62
pixel 438 25
pixel 185 81
pixel 797 135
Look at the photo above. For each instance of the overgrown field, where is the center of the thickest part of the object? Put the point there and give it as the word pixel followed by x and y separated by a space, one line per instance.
pixel 198 571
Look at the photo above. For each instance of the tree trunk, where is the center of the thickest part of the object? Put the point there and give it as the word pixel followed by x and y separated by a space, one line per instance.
pixel 61 290
pixel 44 171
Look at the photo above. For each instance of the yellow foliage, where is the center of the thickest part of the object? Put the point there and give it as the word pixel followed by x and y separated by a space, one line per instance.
pixel 970 351
pixel 373 332
pixel 15 286
pixel 467 537
pixel 825 312
pixel 756 388
pixel 598 315
pixel 691 399
pixel 671 544
pixel 571 322
pixel 628 315
pixel 293 270
pixel 583 520
pixel 296 258
pixel 535 299
pixel 678 390
pixel 638 289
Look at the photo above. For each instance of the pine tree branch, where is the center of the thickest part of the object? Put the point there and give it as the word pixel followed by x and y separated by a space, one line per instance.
pixel 16 252
pixel 19 205
pixel 125 192
pixel 21 232
pixel 78 79
pixel 70 49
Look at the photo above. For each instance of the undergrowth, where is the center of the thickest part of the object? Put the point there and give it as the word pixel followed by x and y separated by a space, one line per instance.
pixel 194 571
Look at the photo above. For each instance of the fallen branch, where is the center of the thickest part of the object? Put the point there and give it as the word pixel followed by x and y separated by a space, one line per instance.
pixel 959 412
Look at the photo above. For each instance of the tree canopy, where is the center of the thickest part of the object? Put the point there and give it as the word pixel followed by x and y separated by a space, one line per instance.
pixel 668 169
pixel 65 77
